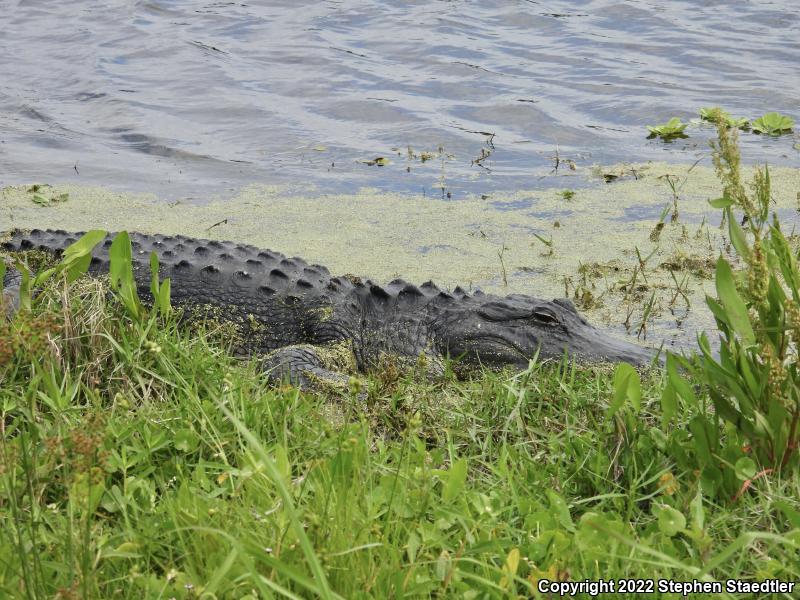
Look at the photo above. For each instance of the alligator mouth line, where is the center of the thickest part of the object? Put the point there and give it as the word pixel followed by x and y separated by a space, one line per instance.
pixel 499 342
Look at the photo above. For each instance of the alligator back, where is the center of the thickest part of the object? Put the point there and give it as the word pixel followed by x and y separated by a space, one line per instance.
pixel 243 282
pixel 199 268
pixel 225 263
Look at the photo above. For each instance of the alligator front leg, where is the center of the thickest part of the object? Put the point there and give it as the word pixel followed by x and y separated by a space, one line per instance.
pixel 304 367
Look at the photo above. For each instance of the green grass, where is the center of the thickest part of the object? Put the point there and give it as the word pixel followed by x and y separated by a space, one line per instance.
pixel 140 460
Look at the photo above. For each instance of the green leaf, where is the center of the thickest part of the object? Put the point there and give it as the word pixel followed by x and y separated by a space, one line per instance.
pixel 185 440
pixel 733 305
pixel 75 260
pixel 792 515
pixel 85 244
pixel 738 238
pixel 786 260
pixel 718 312
pixel 761 427
pixel 777 417
pixel 456 478
pixel 670 521
pixel 121 272
pixel 24 286
pixel 697 513
pixel 672 128
pixel 77 267
pixel 669 404
pixel 627 386
pixel 746 468
pixel 723 202
pixel 678 383
pixel 704 440
pixel 43 276
pixel 712 113
pixel 282 463
pixel 510 568
pixel 634 387
pixel 710 479
pixel 715 114
pixel 751 381
pixel 160 292
pixel 121 258
pixel 154 276
pixel 443 565
pixel 560 510
pixel 412 546
pixel 164 303
pixel 773 123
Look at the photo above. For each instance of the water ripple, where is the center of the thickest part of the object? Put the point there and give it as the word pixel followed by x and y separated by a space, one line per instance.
pixel 189 97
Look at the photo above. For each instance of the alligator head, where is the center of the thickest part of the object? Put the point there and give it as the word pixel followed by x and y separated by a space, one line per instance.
pixel 499 331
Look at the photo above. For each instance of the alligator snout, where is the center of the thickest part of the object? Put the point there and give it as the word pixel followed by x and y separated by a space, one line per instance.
pixel 605 348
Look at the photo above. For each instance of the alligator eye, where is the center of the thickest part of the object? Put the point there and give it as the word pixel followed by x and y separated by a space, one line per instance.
pixel 543 315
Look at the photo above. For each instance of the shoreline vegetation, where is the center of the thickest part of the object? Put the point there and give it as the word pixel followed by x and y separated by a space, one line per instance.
pixel 140 459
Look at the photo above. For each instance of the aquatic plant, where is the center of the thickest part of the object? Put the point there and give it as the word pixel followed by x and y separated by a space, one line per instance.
pixel 567 194
pixel 773 123
pixel 548 243
pixel 655 234
pixel 379 161
pixel 675 187
pixel 672 129
pixel 714 114
pixel 44 195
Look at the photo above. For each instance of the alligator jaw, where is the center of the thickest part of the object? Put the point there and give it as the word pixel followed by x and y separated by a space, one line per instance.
pixel 601 347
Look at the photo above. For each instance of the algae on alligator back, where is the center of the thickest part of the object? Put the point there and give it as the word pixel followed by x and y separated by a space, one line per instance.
pixel 468 242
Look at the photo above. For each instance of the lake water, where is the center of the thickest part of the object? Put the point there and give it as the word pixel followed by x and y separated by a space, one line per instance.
pixel 191 99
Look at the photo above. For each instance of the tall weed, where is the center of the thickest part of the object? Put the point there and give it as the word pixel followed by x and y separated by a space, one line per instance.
pixel 754 382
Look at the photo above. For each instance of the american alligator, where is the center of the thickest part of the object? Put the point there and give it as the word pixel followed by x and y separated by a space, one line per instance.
pixel 286 310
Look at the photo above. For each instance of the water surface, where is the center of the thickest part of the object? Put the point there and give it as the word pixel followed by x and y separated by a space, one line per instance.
pixel 192 98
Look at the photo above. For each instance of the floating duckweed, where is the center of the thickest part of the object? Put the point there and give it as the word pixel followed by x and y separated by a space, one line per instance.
pixel 423 238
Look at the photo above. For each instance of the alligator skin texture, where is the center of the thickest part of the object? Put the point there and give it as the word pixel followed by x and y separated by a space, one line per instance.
pixel 294 314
